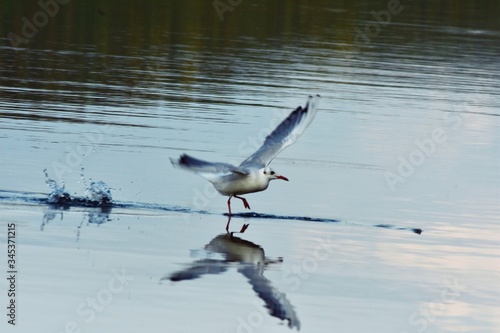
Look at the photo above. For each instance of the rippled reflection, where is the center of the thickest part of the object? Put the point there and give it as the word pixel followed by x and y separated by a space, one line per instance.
pixel 250 261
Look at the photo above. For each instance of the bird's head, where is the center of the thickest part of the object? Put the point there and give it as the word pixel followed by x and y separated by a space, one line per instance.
pixel 270 174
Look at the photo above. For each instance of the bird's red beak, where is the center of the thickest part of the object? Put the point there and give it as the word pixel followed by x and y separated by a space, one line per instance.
pixel 282 177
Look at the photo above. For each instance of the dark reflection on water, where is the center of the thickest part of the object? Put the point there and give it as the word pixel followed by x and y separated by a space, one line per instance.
pixel 98 212
pixel 90 215
pixel 121 54
pixel 163 75
pixel 250 260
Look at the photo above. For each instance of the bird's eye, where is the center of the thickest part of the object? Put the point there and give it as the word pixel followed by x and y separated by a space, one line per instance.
pixel 272 172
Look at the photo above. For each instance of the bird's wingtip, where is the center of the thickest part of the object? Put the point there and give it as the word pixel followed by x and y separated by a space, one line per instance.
pixel 312 102
pixel 312 99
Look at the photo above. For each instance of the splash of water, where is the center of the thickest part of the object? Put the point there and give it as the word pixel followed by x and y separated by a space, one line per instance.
pixel 58 194
pixel 98 192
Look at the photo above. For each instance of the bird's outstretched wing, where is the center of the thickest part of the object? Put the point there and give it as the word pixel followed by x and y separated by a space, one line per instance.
pixel 197 270
pixel 206 169
pixel 276 302
pixel 284 135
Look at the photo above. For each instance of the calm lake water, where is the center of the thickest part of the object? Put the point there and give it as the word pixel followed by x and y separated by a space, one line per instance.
pixel 390 221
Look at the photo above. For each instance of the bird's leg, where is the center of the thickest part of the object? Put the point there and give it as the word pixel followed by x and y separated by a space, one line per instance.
pixel 245 202
pixel 242 230
pixel 229 207
pixel 228 222
pixel 229 216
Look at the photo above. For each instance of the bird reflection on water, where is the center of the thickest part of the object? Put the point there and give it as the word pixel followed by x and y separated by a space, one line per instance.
pixel 250 261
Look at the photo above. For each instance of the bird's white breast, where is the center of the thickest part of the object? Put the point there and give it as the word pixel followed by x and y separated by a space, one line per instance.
pixel 238 184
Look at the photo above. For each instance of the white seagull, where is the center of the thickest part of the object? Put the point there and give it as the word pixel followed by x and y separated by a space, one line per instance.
pixel 253 174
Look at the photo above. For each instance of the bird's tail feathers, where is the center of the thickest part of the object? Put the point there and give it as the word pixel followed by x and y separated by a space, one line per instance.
pixel 204 168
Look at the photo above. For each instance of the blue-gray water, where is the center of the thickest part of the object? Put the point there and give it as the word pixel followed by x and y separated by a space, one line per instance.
pixel 406 139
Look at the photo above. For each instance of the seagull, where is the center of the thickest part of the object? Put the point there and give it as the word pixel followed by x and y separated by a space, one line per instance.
pixel 254 173
pixel 250 260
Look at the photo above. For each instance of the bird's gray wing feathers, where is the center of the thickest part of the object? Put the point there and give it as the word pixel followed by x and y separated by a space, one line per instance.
pixel 207 169
pixel 284 135
pixel 276 302
pixel 197 270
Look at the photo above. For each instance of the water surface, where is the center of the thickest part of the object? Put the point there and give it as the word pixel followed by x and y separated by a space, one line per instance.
pixel 407 138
